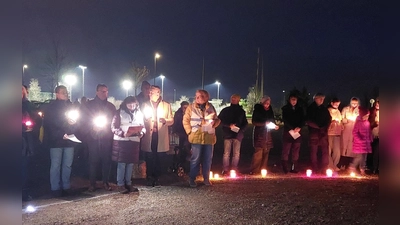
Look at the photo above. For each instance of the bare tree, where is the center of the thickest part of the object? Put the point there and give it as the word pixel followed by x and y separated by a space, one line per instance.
pixel 55 63
pixel 138 74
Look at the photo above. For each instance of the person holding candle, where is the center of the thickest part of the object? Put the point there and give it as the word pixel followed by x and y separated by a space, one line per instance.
pixel 334 134
pixel 349 116
pixel 200 120
pixel 318 121
pixel 57 126
pixel 263 120
pixel 97 115
pixel 157 118
pixel 362 141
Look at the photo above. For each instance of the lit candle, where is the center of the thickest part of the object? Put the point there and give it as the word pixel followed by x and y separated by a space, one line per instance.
pixel 308 173
pixel 329 173
pixel 233 174
pixel 216 176
pixel 352 174
pixel 263 173
pixel 211 174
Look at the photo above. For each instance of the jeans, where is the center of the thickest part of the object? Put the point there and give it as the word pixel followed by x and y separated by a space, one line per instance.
pixel 358 161
pixel 229 145
pixel 334 150
pixel 205 154
pixel 61 161
pixel 124 174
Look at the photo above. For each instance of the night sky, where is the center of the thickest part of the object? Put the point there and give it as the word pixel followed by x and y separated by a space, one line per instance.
pixel 326 46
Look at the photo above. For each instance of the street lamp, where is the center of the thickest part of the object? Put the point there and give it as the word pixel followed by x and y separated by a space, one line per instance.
pixel 70 80
pixel 218 83
pixel 23 69
pixel 83 79
pixel 162 85
pixel 284 97
pixel 126 84
pixel 156 56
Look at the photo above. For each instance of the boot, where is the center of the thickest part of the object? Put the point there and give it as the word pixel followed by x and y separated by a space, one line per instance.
pixel 294 168
pixel 285 166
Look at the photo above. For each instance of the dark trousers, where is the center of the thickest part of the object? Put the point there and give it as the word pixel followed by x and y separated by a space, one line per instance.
pixel 184 148
pixel 260 159
pixel 99 151
pixel 319 142
pixel 375 154
pixel 154 164
pixel 290 144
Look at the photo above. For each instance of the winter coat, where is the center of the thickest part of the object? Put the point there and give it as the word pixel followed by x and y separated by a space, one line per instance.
pixel 90 111
pixel 163 110
pixel 292 117
pixel 27 134
pixel 178 124
pixel 122 151
pixel 233 114
pixel 55 124
pixel 318 120
pixel 261 134
pixel 197 123
pixel 336 126
pixel 362 136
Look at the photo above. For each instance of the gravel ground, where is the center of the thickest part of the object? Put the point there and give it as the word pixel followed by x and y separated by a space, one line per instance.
pixel 278 199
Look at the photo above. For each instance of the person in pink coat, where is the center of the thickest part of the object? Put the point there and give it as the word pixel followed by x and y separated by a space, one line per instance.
pixel 362 139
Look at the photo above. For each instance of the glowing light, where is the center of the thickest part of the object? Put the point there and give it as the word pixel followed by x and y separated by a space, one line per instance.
pixel 30 209
pixel 126 84
pixel 40 114
pixel 211 175
pixel 232 173
pixel 329 173
pixel 264 173
pixel 100 121
pixel 216 176
pixel 73 115
pixel 148 113
pixel 157 56
pixel 309 173
pixel 28 123
pixel 352 174
pixel 271 125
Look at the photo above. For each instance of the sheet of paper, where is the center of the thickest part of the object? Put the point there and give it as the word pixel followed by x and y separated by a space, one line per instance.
pixel 208 128
pixel 235 129
pixel 295 135
pixel 72 137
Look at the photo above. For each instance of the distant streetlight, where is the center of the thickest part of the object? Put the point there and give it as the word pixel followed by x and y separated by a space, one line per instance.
pixel 83 79
pixel 126 84
pixel 156 56
pixel 23 69
pixel 162 85
pixel 174 95
pixel 70 80
pixel 218 84
pixel 284 97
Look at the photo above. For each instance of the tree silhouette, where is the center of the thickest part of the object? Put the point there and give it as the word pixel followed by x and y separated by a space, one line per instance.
pixel 138 75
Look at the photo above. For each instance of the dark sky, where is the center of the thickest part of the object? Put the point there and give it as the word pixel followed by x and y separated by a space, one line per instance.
pixel 327 46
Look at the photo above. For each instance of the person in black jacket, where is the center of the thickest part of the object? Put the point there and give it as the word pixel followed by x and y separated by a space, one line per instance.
pixel 177 128
pixel 318 121
pixel 59 122
pixel 234 123
pixel 294 119
pixel 96 130
pixel 264 122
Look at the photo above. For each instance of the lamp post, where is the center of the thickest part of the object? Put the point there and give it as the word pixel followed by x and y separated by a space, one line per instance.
pixel 217 83
pixel 23 69
pixel 162 85
pixel 156 56
pixel 70 80
pixel 126 84
pixel 83 79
